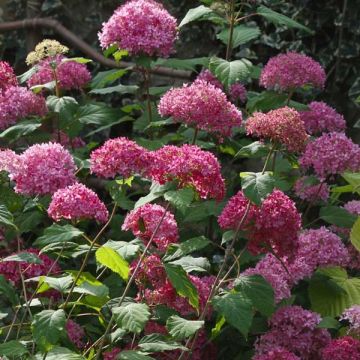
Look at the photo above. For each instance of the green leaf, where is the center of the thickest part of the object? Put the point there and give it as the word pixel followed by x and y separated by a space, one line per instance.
pixel 132 316
pixel 256 149
pixel 13 348
pixel 80 60
pixel 265 101
pixel 113 260
pixel 230 72
pixel 183 64
pixel 353 179
pixel 195 14
pixel 28 74
pixel 121 89
pixel 180 199
pixel 202 210
pixel 236 309
pixel 189 264
pixel 60 353
pixel 128 250
pixel 337 216
pixel 133 355
pixel 182 284
pixel 60 284
pixel 22 128
pixel 104 78
pixel 47 328
pixel 56 104
pixel 6 217
pixel 279 19
pixel 158 343
pixel 258 291
pixel 242 34
pixel 99 291
pixel 355 234
pixel 328 323
pixel 58 234
pixel 256 186
pixel 180 328
pixel 97 114
pixel 24 257
pixel 8 290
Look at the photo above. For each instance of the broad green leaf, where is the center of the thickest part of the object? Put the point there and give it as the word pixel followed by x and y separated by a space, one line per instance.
pixel 24 257
pixel 355 234
pixel 20 129
pixel 113 260
pixel 58 234
pixel 242 34
pixel 133 355
pixel 202 210
pixel 47 328
pixel 159 91
pixel 180 328
pixel 180 199
pixel 60 353
pixel 195 14
pixel 121 89
pixel 236 309
pixel 230 72
pixel 97 114
pixel 279 19
pixel 132 316
pixel 189 264
pixel 104 78
pixel 183 64
pixel 256 149
pixel 27 75
pixel 6 217
pixel 7 290
pixel 56 104
pixel 328 322
pixel 256 186
pixel 80 60
pixel 258 291
pixel 265 101
pixel 128 250
pixel 353 179
pixel 13 348
pixel 182 284
pixel 99 291
pixel 60 284
pixel 156 191
pixel 337 216
pixel 158 343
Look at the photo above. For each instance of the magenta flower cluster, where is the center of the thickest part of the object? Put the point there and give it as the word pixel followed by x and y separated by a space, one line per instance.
pixel 141 27
pixel 75 333
pixel 277 354
pixel 305 189
pixel 344 348
pixel 7 76
pixel 352 316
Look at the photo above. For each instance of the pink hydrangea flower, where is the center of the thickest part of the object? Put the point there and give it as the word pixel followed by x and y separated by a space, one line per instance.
pixel 344 348
pixel 331 154
pixel 202 105
pixel 353 207
pixel 283 126
pixel 352 315
pixel 69 74
pixel 354 257
pixel 43 169
pixel 190 167
pixel 294 329
pixel 305 189
pixel 119 157
pixel 7 76
pixel 10 269
pixel 277 353
pixel 112 354
pixel 207 76
pixel 322 118
pixel 17 103
pixel 64 139
pixel 237 93
pixel 145 219
pixel 141 27
pixel 77 202
pixel 286 72
pixel 9 160
pixel 75 333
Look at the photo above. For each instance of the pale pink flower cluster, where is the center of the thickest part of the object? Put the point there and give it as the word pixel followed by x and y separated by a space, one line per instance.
pixel 17 103
pixel 7 76
pixel 322 118
pixel 145 219
pixel 344 348
pixel 119 157
pixel 283 126
pixel 331 154
pixel 69 74
pixel 305 189
pixel 77 202
pixel 190 167
pixel 277 354
pixel 43 169
pixel 201 105
pixel 9 161
pixel 141 27
pixel 286 72
pixel 295 329
pixel 352 315
pixel 353 207
pixel 75 333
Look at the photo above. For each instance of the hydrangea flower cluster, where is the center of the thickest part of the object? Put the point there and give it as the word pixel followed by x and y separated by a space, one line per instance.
pixel 344 348
pixel 190 167
pixel 43 169
pixel 65 140
pixel 17 102
pixel 141 27
pixel 202 105
pixel 277 354
pixel 353 207
pixel 9 161
pixel 283 126
pixel 119 157
pixel 144 220
pixel 286 72
pixel 77 202
pixel 237 93
pixel 295 329
pixel 112 354
pixel 320 118
pixel 331 154
pixel 7 76
pixel 352 315
pixel 75 333
pixel 69 74
pixel 207 76
pixel 305 189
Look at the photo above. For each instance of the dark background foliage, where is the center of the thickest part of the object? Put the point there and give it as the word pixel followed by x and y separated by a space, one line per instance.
pixel 335 43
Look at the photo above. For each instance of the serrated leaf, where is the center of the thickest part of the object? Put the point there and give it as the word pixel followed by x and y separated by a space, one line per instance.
pixel 265 101
pixel 182 284
pixel 180 328
pixel 6 217
pixel 58 234
pixel 258 291
pixel 60 284
pixel 132 316
pixel 158 343
pixel 7 290
pixel 28 74
pixel 257 186
pixel 256 149
pixel 189 264
pixel 355 234
pixel 120 89
pixel 26 257
pixel 99 291
pixel 20 129
pixel 195 14
pixel 183 64
pixel 56 104
pixel 337 216
pixel 328 323
pixel 13 348
pixel 133 355
pixel 104 78
pixel 60 353
pixel 241 35
pixel 113 260
pixel 230 72
pixel 181 199
pixel 236 309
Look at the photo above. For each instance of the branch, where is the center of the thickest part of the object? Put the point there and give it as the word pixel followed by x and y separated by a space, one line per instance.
pixel 80 44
